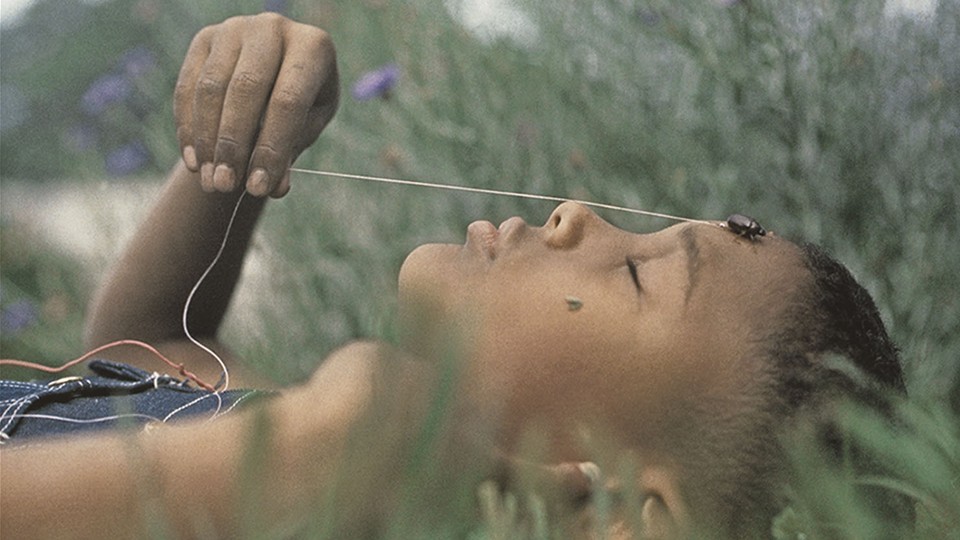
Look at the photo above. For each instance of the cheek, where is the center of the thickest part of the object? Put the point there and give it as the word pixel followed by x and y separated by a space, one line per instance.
pixel 546 360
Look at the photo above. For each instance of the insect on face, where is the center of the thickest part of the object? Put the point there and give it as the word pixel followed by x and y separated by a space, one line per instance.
pixel 745 226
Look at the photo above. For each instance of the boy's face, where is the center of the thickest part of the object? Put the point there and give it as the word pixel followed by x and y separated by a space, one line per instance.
pixel 579 323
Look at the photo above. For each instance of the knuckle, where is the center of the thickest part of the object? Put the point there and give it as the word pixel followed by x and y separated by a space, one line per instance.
pixel 326 47
pixel 289 101
pixel 227 144
pixel 318 40
pixel 204 35
pixel 268 157
pixel 266 151
pixel 236 20
pixel 268 17
pixel 210 86
pixel 268 20
pixel 247 83
pixel 228 149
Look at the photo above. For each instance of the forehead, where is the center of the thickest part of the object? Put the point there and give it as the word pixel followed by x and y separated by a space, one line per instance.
pixel 712 244
pixel 739 278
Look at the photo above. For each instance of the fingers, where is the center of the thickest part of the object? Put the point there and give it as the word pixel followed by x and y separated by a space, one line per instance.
pixel 246 95
pixel 209 97
pixel 295 107
pixel 183 95
pixel 252 94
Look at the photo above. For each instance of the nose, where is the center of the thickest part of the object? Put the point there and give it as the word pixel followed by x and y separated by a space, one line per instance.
pixel 566 225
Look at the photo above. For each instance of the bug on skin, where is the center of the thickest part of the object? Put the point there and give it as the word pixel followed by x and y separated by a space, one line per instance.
pixel 573 303
pixel 745 226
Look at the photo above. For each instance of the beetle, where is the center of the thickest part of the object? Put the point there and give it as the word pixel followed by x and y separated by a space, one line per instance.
pixel 745 226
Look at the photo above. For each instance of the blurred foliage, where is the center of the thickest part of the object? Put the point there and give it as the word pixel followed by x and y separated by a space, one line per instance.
pixel 831 121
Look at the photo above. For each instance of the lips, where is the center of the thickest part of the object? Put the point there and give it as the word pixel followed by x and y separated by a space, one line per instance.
pixel 511 227
pixel 488 241
pixel 482 239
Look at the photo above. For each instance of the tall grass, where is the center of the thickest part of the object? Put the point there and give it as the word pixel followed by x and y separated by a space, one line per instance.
pixel 829 121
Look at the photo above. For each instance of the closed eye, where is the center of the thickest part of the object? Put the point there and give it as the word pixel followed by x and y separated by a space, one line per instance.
pixel 632 267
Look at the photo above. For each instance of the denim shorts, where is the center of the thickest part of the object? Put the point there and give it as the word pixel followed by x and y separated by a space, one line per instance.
pixel 115 396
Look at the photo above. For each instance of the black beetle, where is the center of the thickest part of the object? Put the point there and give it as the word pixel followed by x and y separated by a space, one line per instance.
pixel 745 226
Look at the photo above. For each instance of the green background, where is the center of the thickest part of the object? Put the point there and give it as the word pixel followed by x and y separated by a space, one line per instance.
pixel 829 121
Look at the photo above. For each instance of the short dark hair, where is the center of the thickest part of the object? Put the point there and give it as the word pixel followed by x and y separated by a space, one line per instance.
pixel 827 344
pixel 835 315
pixel 832 347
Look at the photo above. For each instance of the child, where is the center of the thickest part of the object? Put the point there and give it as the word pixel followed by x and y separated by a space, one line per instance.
pixel 684 354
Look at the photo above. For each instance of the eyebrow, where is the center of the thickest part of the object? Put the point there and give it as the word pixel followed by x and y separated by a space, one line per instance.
pixel 688 240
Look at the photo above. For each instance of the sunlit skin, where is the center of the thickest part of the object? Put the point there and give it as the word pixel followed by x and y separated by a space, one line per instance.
pixel 636 350
pixel 639 361
pixel 577 330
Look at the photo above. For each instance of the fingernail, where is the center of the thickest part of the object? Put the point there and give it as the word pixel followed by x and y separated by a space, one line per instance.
pixel 206 177
pixel 190 158
pixel 258 183
pixel 223 178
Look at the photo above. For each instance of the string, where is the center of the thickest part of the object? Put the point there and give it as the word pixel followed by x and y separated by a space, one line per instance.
pixel 110 418
pixel 181 369
pixel 224 381
pixel 515 194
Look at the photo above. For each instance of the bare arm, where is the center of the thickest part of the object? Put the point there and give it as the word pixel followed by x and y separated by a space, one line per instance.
pixel 146 291
pixel 253 92
pixel 272 467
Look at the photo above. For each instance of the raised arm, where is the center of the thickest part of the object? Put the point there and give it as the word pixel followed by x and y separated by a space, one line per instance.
pixel 253 92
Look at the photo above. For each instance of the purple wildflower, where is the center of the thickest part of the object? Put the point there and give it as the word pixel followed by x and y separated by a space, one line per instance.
pixel 19 316
pixel 106 91
pixel 138 61
pixel 127 159
pixel 376 83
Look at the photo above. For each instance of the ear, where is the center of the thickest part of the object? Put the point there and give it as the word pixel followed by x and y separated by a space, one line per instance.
pixel 664 513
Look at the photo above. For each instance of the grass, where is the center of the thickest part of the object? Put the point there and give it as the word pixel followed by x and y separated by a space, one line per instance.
pixel 833 122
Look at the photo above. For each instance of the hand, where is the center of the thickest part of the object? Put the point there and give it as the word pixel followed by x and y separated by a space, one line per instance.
pixel 253 93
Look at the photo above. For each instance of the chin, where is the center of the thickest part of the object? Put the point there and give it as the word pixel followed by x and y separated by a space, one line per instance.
pixel 436 302
pixel 428 277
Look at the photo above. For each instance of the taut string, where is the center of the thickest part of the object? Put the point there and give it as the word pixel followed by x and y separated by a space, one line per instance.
pixel 224 382
pixel 516 194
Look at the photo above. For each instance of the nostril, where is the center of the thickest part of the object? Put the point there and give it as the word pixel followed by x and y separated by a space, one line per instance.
pixel 566 224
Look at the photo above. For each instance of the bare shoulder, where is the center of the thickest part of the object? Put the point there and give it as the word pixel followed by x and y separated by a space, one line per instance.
pixel 371 361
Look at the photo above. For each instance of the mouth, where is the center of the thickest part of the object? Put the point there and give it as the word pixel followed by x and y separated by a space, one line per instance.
pixel 482 239
pixel 489 241
pixel 511 227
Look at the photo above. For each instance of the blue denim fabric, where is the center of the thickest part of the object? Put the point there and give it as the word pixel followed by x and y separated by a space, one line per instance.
pixel 116 395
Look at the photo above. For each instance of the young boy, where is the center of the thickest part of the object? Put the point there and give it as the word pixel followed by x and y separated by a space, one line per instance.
pixel 680 357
